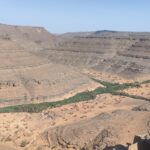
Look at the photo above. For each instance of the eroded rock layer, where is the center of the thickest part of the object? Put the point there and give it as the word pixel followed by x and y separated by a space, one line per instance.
pixel 27 77
pixel 124 53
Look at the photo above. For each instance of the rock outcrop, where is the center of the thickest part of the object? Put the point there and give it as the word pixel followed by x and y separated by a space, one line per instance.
pixel 103 132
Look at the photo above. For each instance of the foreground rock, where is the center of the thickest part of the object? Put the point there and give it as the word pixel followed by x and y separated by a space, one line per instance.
pixel 141 143
pixel 102 132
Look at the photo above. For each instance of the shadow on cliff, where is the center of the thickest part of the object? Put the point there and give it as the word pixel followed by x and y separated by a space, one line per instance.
pixel 117 147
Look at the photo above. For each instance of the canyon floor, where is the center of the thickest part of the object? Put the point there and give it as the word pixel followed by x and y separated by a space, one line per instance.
pixel 106 122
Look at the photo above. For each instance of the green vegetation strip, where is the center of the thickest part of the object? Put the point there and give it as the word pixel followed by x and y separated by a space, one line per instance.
pixel 146 81
pixel 2 100
pixel 131 96
pixel 111 88
pixel 34 108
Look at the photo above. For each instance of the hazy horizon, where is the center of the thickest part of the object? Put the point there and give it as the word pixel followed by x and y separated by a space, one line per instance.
pixel 61 16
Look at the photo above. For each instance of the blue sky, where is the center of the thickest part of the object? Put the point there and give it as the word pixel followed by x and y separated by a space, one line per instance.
pixel 60 16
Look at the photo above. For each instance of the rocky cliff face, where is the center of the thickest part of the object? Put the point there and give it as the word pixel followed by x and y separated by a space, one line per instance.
pixel 29 55
pixel 122 53
pixel 25 75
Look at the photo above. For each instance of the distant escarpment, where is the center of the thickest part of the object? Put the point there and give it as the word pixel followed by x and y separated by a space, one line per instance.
pixel 122 53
